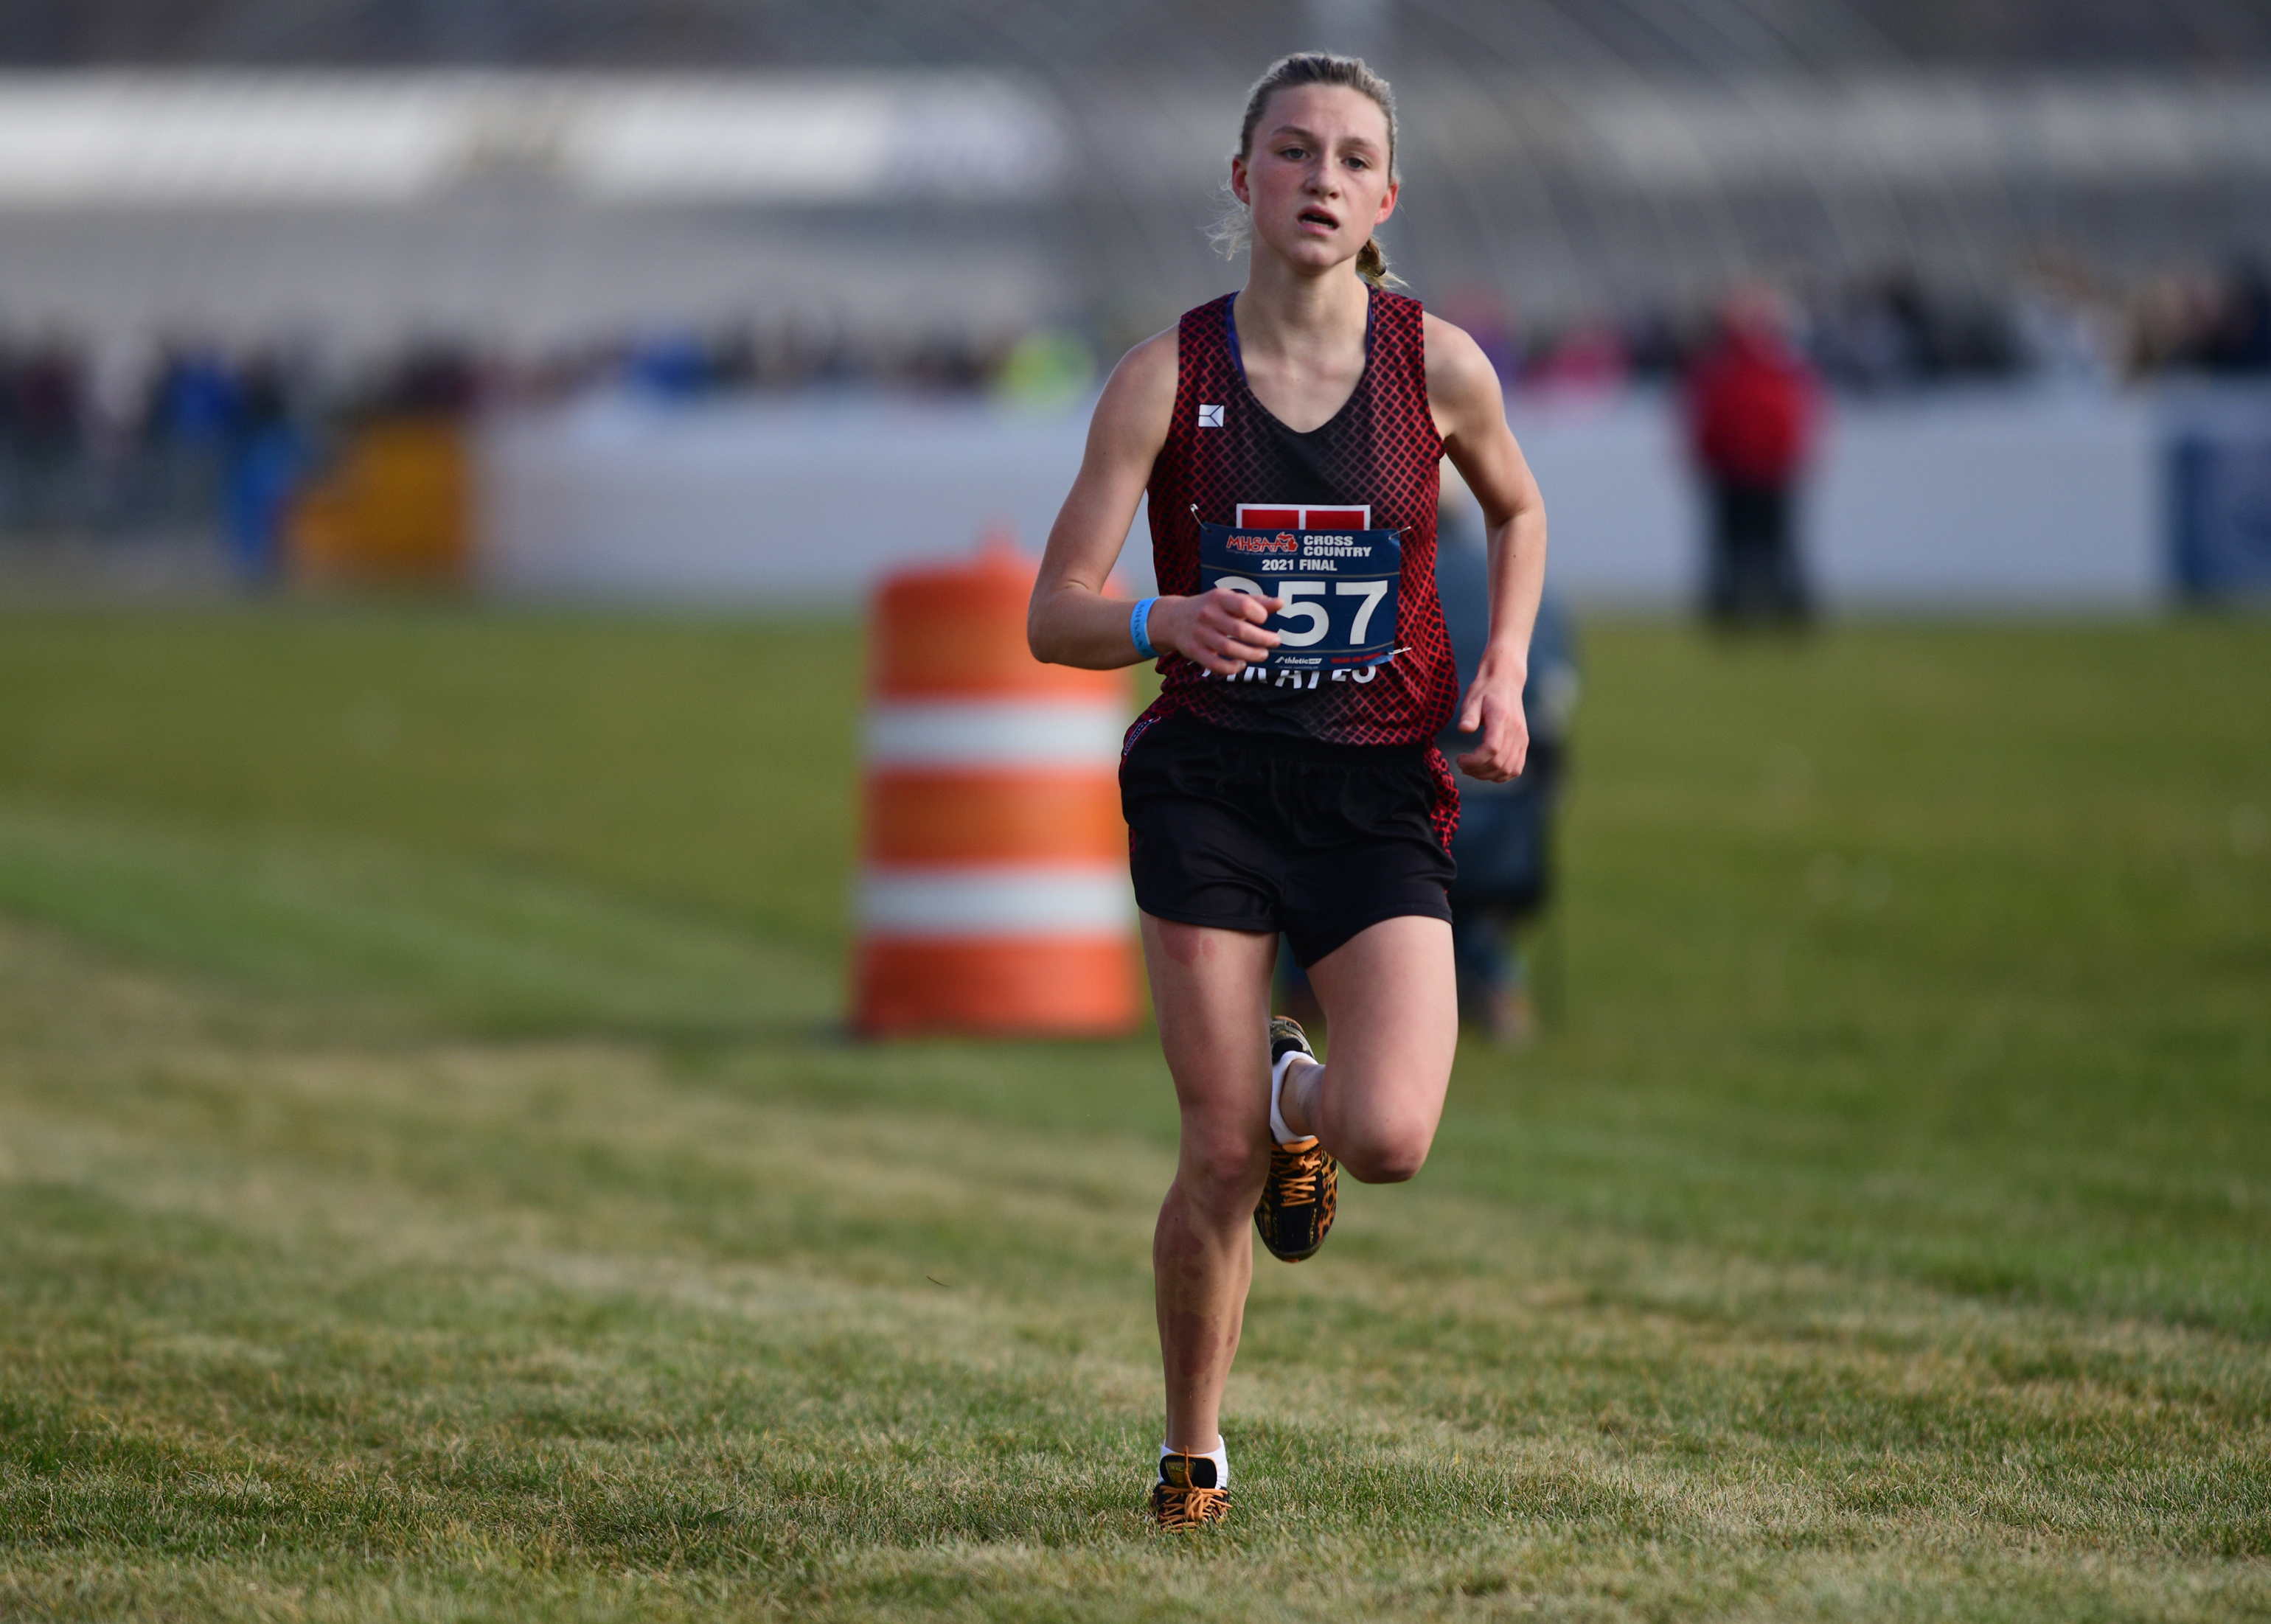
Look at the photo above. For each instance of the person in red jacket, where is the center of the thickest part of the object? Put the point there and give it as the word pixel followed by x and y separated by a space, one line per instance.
pixel 1752 403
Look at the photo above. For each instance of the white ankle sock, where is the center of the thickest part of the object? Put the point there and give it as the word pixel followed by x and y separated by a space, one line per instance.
pixel 1278 1073
pixel 1219 1455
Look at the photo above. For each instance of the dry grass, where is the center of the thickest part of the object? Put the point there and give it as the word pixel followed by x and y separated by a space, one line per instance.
pixel 403 1282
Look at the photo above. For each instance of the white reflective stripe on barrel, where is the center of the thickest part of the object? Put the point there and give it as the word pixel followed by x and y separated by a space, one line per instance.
pixel 983 733
pixel 1025 901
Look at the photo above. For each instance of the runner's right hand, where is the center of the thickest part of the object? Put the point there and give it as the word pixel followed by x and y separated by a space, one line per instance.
pixel 1221 629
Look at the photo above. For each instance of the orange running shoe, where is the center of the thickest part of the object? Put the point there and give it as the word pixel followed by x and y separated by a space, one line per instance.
pixel 1296 1210
pixel 1186 1496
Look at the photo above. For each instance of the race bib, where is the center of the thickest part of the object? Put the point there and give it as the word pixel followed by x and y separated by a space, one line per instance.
pixel 1338 587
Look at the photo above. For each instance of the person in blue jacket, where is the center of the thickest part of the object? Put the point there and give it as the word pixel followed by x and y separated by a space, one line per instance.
pixel 1504 848
pixel 1506 840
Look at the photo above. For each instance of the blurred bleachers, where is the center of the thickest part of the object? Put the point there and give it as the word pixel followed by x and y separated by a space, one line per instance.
pixel 234 234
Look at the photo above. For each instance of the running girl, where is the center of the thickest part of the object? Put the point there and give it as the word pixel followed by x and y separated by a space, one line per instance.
pixel 1290 437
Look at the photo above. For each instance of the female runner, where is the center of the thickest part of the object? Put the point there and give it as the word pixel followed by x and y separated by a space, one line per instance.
pixel 1307 800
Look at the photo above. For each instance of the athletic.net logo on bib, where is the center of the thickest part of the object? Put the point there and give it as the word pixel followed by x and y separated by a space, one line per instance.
pixel 1337 576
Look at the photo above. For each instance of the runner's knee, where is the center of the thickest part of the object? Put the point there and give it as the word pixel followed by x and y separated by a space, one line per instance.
pixel 1224 1175
pixel 1385 1156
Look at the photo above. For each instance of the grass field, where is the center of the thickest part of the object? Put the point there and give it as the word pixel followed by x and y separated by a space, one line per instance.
pixel 432 1185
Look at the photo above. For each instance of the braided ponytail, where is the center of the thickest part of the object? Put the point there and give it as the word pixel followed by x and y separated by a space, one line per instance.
pixel 1372 265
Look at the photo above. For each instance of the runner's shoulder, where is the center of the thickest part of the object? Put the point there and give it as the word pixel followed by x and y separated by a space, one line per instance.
pixel 1148 366
pixel 1456 362
pixel 1139 397
pixel 1461 381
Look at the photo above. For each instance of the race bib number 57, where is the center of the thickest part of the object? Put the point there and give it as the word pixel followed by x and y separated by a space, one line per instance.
pixel 1338 589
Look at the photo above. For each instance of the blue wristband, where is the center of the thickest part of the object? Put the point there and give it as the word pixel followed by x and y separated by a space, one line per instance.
pixel 1139 622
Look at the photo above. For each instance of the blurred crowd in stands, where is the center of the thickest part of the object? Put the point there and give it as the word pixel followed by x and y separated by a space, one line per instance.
pixel 1892 333
pixel 175 437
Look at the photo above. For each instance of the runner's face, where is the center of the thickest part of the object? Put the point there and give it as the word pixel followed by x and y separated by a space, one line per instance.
pixel 1316 176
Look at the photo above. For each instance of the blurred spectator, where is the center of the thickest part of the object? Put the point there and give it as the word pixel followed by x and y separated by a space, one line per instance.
pixel 2066 334
pixel 186 427
pixel 1892 332
pixel 182 436
pixel 2170 319
pixel 40 417
pixel 1505 844
pixel 1589 359
pixel 435 379
pixel 1750 404
pixel 1873 338
pixel 2241 341
pixel 269 456
pixel 671 365
pixel 1047 370
pixel 1654 345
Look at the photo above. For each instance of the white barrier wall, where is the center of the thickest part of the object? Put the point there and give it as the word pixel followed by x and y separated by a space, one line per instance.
pixel 1620 517
pixel 1993 499
pixel 1965 500
pixel 758 501
pixel 2000 501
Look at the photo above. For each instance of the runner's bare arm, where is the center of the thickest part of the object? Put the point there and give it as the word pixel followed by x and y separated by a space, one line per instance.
pixel 1462 388
pixel 1073 619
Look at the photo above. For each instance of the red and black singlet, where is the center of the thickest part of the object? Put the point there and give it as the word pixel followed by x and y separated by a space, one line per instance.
pixel 1381 450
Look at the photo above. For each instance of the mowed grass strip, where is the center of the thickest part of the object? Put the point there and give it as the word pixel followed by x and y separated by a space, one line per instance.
pixel 404 1216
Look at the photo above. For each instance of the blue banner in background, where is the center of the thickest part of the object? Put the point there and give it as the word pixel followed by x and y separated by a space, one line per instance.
pixel 2221 529
pixel 2216 451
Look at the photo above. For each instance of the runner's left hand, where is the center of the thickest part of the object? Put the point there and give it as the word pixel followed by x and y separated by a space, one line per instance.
pixel 1494 710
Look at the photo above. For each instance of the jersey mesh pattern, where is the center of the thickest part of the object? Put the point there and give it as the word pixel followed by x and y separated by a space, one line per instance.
pixel 1379 449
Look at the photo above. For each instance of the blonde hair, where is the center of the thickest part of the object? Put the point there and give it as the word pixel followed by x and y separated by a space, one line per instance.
pixel 1234 231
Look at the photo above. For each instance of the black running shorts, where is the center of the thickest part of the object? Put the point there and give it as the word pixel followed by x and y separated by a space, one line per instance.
pixel 1259 832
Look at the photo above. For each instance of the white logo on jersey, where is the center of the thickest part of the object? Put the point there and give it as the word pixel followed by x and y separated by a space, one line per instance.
pixel 1210 416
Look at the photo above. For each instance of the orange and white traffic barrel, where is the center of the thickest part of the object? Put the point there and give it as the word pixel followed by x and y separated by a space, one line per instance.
pixel 994 894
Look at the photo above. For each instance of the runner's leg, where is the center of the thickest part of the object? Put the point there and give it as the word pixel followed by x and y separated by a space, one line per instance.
pixel 1390 994
pixel 1211 991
